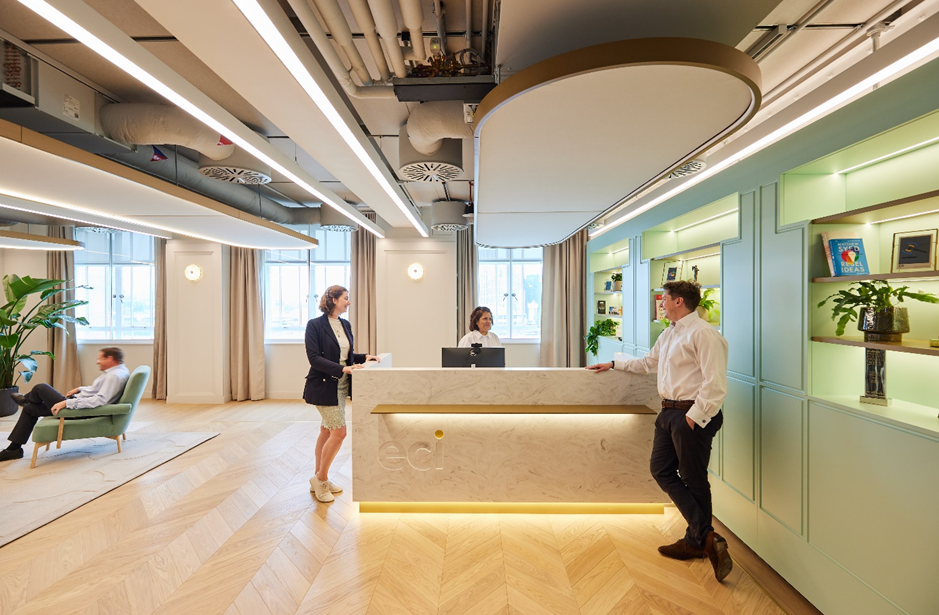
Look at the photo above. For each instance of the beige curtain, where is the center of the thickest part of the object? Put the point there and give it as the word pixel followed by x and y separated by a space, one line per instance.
pixel 246 325
pixel 363 314
pixel 65 372
pixel 563 303
pixel 158 374
pixel 467 265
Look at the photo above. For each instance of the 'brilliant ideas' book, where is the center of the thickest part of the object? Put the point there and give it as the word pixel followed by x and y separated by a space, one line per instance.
pixel 848 256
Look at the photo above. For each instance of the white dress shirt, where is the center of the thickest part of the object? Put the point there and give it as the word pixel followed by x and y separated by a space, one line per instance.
pixel 106 389
pixel 490 340
pixel 690 358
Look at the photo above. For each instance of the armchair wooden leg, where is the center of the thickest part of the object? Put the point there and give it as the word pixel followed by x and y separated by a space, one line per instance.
pixel 118 440
pixel 124 436
pixel 58 442
pixel 48 444
pixel 35 451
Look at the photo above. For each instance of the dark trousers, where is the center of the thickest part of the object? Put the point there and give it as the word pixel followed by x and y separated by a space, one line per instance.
pixel 679 464
pixel 39 404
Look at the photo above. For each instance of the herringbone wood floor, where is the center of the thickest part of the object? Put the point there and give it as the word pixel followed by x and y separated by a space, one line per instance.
pixel 230 527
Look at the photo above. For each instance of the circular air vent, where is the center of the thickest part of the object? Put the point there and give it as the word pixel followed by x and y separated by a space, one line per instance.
pixel 595 225
pixel 691 167
pixel 235 175
pixel 339 228
pixel 430 172
pixel 449 227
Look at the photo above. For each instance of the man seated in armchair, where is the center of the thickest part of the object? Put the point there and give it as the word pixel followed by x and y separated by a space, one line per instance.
pixel 43 400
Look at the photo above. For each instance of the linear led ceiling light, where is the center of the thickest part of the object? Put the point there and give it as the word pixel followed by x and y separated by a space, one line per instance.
pixel 24 241
pixel 681 228
pixel 281 48
pixel 33 206
pixel 94 43
pixel 886 156
pixel 800 122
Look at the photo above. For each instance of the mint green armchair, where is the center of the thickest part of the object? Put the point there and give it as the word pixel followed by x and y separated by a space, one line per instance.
pixel 110 421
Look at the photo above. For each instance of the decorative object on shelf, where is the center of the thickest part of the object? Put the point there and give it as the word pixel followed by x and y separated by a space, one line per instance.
pixel 614 311
pixel 671 271
pixel 601 307
pixel 17 323
pixel 696 270
pixel 848 256
pixel 914 251
pixel 709 304
pixel 875 378
pixel 608 286
pixel 879 319
pixel 934 343
pixel 826 244
pixel 658 306
pixel 617 281
pixel 599 329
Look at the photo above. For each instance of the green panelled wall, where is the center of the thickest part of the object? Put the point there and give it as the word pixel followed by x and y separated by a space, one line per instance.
pixel 841 504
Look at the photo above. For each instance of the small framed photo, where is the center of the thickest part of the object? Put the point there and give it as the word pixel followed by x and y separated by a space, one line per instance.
pixel 671 271
pixel 601 307
pixel 914 251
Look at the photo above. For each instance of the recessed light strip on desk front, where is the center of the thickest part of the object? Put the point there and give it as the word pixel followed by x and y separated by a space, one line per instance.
pixel 230 131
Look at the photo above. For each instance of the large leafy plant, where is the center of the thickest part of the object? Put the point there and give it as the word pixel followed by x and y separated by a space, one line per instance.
pixel 708 301
pixel 18 321
pixel 876 295
pixel 599 328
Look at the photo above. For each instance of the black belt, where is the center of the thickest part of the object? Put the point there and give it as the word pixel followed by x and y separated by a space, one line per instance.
pixel 678 404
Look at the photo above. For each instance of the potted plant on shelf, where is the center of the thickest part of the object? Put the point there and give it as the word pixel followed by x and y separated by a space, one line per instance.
pixel 872 305
pixel 708 306
pixel 617 281
pixel 17 323
pixel 599 328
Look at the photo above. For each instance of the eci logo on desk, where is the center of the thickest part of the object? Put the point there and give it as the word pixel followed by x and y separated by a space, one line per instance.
pixel 422 455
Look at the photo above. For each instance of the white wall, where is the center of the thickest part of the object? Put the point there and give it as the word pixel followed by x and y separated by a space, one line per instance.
pixel 416 318
pixel 286 367
pixel 197 324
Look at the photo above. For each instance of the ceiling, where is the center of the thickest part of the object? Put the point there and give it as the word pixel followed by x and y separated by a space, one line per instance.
pixel 212 46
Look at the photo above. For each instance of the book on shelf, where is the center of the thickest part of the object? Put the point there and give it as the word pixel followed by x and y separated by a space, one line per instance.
pixel 826 244
pixel 848 256
pixel 659 307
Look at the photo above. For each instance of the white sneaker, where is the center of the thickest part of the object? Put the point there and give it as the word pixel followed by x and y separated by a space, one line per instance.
pixel 333 487
pixel 320 489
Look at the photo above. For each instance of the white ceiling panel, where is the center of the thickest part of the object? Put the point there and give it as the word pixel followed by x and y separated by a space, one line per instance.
pixel 522 230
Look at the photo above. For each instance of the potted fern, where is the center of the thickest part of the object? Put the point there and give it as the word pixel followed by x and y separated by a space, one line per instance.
pixel 18 320
pixel 600 328
pixel 708 306
pixel 872 304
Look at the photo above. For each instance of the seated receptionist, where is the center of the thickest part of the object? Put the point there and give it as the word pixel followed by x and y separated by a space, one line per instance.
pixel 480 325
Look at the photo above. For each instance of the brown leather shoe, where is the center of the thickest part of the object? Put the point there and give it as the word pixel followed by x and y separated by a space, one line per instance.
pixel 681 550
pixel 716 549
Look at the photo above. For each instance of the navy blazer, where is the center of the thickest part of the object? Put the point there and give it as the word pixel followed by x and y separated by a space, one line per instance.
pixel 322 350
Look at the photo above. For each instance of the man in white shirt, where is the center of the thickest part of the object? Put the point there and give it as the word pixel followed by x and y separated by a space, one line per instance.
pixel 43 400
pixel 690 358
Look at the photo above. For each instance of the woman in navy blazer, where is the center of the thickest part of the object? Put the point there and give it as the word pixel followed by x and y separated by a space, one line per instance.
pixel 329 348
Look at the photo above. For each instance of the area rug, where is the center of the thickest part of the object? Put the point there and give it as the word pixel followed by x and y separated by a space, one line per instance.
pixel 79 472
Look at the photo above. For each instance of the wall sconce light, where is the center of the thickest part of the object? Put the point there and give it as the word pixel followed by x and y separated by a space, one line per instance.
pixel 193 273
pixel 415 271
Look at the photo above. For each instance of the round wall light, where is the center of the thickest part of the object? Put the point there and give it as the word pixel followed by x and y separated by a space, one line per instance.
pixel 193 273
pixel 415 271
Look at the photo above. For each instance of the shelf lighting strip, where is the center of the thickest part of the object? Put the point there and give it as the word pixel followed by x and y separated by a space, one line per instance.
pixel 694 258
pixel 706 220
pixel 94 43
pixel 618 251
pixel 800 122
pixel 885 157
pixel 261 22
pixel 922 213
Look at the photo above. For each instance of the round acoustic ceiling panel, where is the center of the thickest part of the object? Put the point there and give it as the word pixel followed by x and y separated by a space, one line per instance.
pixel 567 139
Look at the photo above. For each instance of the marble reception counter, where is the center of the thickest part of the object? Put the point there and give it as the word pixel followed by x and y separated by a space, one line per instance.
pixel 522 435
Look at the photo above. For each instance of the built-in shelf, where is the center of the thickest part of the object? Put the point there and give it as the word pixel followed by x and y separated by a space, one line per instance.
pixel 611 269
pixel 608 292
pixel 889 210
pixel 910 275
pixel 676 255
pixel 608 316
pixel 907 345
pixel 900 413
pixel 706 286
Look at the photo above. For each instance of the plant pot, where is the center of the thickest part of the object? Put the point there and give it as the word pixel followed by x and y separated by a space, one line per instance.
pixel 618 285
pixel 8 407
pixel 885 325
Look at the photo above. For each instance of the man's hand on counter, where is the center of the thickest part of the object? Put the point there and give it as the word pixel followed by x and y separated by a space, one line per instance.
pixel 600 367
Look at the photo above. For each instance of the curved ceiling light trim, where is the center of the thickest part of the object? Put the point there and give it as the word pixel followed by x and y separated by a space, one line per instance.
pixel 650 52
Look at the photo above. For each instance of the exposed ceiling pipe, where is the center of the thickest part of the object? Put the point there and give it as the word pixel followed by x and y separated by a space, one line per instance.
pixel 832 53
pixel 441 28
pixel 151 124
pixel 485 30
pixel 413 14
pixel 432 122
pixel 799 26
pixel 363 18
pixel 313 28
pixel 469 24
pixel 184 172
pixel 387 25
pixel 339 28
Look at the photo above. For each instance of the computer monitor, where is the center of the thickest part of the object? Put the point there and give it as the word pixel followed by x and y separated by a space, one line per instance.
pixel 473 357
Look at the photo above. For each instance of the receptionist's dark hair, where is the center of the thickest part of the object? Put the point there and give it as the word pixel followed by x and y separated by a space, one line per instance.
pixel 328 300
pixel 476 315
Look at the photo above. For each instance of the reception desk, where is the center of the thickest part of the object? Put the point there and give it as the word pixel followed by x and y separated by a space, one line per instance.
pixel 489 439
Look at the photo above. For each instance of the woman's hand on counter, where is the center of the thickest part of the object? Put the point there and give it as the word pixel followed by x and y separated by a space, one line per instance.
pixel 600 367
pixel 348 368
pixel 371 357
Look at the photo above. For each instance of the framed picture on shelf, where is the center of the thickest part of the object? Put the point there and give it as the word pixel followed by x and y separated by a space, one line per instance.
pixel 671 271
pixel 914 251
pixel 658 308
pixel 601 307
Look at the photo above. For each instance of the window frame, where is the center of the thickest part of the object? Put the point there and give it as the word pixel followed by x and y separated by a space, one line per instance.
pixel 509 262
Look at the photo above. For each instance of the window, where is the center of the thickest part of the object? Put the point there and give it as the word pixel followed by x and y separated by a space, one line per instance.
pixel 289 276
pixel 510 286
pixel 118 268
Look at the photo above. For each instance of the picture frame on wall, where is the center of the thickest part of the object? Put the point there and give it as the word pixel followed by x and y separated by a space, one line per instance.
pixel 601 307
pixel 914 251
pixel 671 271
